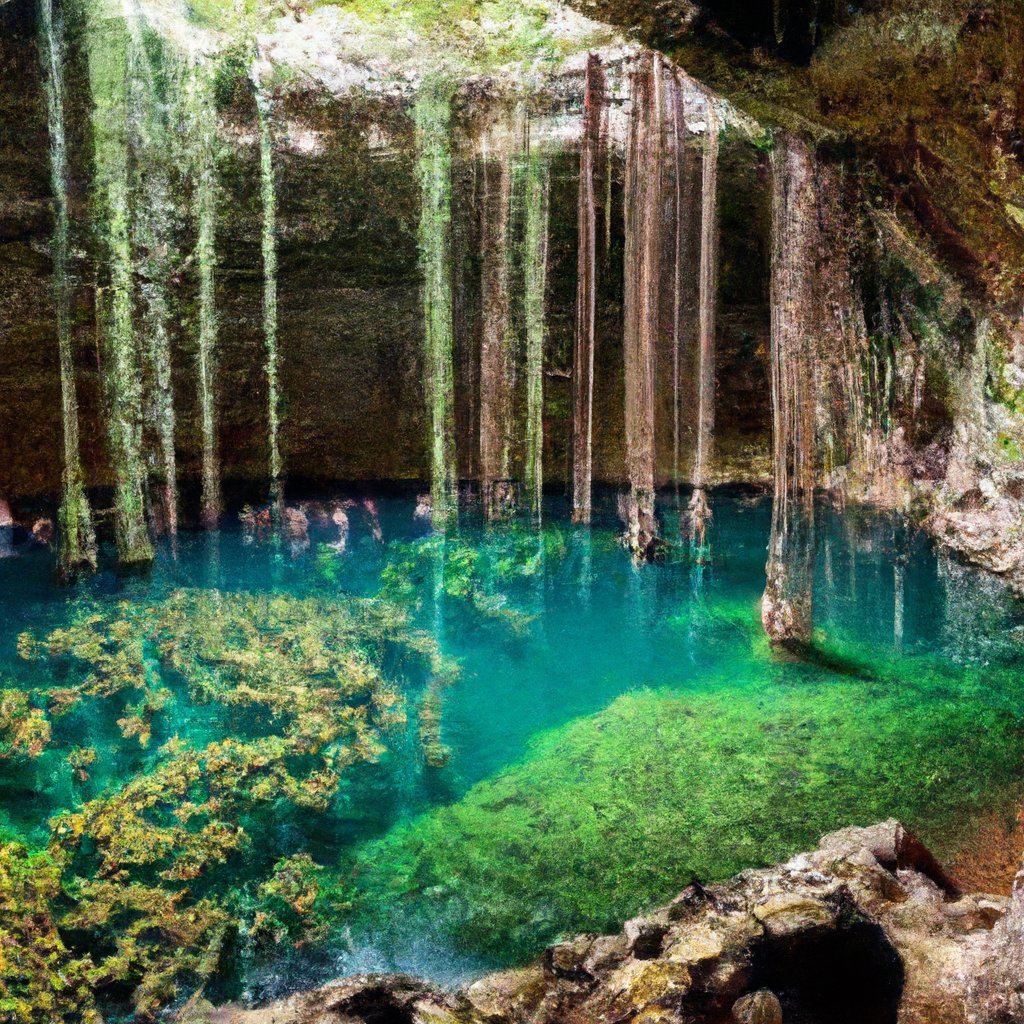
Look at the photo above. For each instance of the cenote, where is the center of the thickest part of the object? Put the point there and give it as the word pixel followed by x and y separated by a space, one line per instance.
pixel 469 470
pixel 552 737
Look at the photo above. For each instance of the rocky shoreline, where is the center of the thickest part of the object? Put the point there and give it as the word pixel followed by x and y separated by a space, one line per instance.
pixel 867 928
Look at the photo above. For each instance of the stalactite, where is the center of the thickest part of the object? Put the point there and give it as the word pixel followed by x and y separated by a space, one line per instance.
pixel 495 357
pixel 107 47
pixel 779 14
pixel 535 276
pixel 268 194
pixel 205 177
pixel 699 511
pixel 643 203
pixel 433 117
pixel 77 541
pixel 586 293
pixel 152 217
pixel 786 609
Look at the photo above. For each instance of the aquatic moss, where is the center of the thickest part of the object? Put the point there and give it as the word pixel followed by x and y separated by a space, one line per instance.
pixel 24 729
pixel 492 578
pixel 613 812
pixel 40 981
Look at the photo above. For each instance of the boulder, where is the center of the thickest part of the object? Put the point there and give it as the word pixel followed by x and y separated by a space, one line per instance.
pixel 760 1007
pixel 866 927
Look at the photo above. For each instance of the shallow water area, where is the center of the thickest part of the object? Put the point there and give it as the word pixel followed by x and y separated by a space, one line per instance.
pixel 578 735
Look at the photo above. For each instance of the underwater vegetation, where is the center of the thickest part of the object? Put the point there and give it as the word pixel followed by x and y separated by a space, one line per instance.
pixel 214 792
pixel 617 812
pixel 187 733
pixel 256 275
pixel 487 577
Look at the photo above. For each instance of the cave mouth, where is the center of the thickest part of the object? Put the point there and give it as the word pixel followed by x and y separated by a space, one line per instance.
pixel 851 975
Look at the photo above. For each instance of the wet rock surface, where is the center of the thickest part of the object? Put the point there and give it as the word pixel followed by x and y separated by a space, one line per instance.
pixel 867 928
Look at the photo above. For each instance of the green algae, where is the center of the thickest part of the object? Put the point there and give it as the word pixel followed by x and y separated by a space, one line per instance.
pixel 612 813
pixel 199 765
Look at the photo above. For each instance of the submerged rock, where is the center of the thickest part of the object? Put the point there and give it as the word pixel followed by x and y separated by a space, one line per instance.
pixel 866 928
pixel 761 1007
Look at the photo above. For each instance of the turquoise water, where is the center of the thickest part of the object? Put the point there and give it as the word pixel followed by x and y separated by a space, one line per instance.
pixel 572 663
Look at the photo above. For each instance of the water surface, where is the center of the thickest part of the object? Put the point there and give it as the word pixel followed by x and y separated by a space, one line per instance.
pixel 613 729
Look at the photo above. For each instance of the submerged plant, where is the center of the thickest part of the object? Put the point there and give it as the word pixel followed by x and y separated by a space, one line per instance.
pixel 256 706
pixel 40 981
pixel 495 579
pixel 612 813
pixel 24 729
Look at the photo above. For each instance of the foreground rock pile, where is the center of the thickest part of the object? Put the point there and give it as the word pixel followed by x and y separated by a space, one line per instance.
pixel 865 929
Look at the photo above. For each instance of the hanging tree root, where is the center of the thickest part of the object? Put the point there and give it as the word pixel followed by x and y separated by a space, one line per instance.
pixel 699 514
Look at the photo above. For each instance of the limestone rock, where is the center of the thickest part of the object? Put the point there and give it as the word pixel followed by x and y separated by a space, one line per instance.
pixel 867 927
pixel 760 1007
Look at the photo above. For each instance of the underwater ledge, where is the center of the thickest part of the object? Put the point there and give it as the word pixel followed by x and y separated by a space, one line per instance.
pixel 865 929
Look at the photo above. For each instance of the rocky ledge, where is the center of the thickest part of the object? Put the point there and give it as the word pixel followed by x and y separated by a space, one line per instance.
pixel 865 929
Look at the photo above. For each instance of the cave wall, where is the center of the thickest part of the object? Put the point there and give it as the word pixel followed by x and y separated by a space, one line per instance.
pixel 350 329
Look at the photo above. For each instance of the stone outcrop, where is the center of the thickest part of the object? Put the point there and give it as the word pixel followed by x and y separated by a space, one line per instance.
pixel 867 928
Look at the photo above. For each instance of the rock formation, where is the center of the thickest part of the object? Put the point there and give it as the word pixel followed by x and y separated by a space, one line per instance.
pixel 867 928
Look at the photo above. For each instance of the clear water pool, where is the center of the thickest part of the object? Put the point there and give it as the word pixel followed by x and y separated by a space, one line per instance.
pixel 611 732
